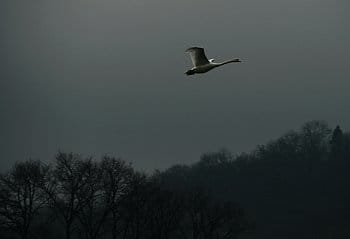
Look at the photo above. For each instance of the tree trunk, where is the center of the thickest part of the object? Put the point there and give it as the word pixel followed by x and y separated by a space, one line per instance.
pixel 68 230
pixel 24 233
pixel 114 225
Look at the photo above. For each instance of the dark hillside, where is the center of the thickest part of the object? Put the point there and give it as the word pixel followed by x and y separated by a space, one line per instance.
pixel 297 186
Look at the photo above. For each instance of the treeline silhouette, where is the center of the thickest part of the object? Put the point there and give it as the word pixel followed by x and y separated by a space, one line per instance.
pixel 83 198
pixel 297 186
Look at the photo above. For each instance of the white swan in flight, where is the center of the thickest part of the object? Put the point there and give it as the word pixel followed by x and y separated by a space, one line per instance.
pixel 200 62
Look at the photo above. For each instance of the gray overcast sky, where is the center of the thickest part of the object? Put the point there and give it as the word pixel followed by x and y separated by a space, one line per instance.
pixel 106 76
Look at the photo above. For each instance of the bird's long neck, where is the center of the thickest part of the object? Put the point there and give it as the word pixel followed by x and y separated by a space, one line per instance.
pixel 229 61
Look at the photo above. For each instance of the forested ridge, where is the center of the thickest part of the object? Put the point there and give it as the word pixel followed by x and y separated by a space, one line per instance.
pixel 295 186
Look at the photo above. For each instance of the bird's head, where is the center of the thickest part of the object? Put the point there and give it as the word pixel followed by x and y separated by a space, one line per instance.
pixel 236 60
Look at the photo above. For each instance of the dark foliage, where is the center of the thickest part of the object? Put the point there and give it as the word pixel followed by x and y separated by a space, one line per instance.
pixel 83 198
pixel 296 186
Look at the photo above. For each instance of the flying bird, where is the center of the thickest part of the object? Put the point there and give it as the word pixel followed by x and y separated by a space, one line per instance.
pixel 201 64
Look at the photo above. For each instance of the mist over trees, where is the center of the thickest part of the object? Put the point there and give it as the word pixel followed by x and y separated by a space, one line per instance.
pixel 80 197
pixel 294 186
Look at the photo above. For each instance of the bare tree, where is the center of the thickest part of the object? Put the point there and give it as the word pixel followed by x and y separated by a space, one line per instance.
pixel 117 177
pixel 208 219
pixel 93 209
pixel 153 212
pixel 164 212
pixel 133 223
pixel 315 137
pixel 67 180
pixel 21 197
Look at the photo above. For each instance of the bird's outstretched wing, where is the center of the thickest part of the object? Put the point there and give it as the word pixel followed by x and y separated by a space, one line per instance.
pixel 197 56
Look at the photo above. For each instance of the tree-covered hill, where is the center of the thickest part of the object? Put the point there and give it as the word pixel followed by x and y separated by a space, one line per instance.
pixel 296 186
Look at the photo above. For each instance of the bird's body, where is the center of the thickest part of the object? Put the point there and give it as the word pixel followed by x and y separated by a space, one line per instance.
pixel 200 62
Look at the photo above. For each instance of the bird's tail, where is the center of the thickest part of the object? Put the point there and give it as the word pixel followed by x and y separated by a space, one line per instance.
pixel 189 72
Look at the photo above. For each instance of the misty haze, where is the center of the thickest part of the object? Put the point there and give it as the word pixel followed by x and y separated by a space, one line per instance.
pixel 102 135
